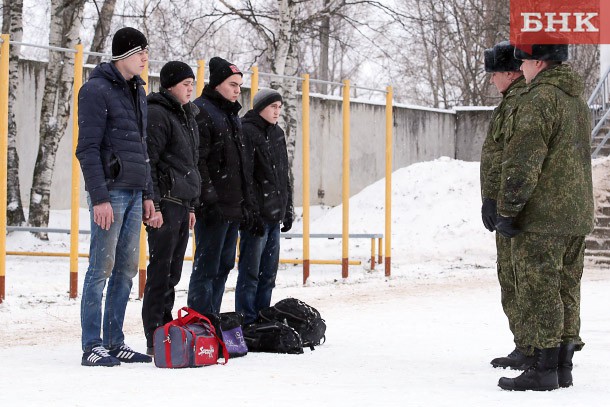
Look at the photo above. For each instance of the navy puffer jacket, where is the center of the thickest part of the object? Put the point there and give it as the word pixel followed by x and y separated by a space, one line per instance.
pixel 112 134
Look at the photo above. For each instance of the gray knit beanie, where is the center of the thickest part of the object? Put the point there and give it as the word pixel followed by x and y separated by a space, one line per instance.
pixel 264 97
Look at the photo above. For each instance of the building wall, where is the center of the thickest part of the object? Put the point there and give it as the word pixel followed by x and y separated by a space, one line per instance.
pixel 419 134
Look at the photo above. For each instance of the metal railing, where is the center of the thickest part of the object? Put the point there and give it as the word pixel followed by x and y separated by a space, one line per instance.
pixel 599 105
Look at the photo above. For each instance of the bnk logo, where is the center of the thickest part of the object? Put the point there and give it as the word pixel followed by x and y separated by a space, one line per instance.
pixel 560 21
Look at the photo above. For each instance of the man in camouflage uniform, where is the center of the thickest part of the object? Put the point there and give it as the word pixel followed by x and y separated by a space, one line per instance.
pixel 546 207
pixel 507 78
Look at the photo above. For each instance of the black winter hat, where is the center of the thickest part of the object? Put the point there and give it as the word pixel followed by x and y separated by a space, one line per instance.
pixel 221 70
pixel 542 52
pixel 175 72
pixel 501 58
pixel 126 42
pixel 264 97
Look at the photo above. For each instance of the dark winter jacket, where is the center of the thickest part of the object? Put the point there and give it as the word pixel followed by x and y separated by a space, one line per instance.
pixel 173 149
pixel 266 147
pixel 112 134
pixel 221 156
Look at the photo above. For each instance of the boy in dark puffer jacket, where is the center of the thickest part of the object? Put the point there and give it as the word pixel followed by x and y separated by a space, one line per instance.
pixel 259 246
pixel 173 143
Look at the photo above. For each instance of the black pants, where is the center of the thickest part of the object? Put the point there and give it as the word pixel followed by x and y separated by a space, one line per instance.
pixel 166 246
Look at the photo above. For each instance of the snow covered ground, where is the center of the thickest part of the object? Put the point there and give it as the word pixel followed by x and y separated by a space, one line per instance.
pixel 423 337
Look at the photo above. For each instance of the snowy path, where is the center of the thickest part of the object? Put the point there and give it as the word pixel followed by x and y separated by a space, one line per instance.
pixel 402 342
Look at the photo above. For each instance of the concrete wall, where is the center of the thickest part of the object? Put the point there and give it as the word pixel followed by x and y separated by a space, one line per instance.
pixel 419 135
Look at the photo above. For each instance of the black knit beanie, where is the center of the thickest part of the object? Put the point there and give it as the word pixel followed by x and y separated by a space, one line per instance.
pixel 264 97
pixel 175 72
pixel 126 42
pixel 221 70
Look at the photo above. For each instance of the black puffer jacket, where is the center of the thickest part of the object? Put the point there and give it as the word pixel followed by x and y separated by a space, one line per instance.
pixel 112 134
pixel 173 149
pixel 266 147
pixel 221 156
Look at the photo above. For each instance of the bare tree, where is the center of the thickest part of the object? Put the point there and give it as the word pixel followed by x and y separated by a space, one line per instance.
pixel 6 9
pixel 66 18
pixel 102 29
pixel 14 208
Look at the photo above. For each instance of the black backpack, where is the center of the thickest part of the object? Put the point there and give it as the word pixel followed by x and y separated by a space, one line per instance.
pixel 303 318
pixel 274 337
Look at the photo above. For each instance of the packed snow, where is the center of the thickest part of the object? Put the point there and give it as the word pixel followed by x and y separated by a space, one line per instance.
pixel 422 337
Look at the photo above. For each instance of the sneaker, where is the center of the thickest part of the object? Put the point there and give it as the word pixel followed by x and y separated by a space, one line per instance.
pixel 127 355
pixel 99 356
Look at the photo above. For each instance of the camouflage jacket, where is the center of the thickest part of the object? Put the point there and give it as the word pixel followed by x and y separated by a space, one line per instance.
pixel 546 177
pixel 491 154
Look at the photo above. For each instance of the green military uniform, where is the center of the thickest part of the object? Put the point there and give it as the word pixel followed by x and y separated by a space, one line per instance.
pixel 491 169
pixel 546 184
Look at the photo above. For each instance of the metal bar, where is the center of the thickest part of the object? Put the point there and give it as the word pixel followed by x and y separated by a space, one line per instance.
pixel 599 85
pixel 389 125
pixel 142 253
pixel 49 47
pixel 305 176
pixel 300 261
pixel 345 174
pixel 369 89
pixel 75 188
pixel 45 230
pixel 332 235
pixel 253 85
pixel 372 253
pixel 4 85
pixel 320 81
pixel 200 76
pixel 273 75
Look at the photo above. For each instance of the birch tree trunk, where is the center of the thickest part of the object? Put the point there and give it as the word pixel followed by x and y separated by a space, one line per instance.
pixel 14 207
pixel 6 9
pixel 102 30
pixel 66 18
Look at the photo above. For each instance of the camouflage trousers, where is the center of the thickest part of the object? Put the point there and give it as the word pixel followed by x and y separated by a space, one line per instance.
pixel 508 292
pixel 548 270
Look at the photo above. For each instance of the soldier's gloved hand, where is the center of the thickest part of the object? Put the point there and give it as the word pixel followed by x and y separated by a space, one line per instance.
pixel 246 219
pixel 506 226
pixel 488 213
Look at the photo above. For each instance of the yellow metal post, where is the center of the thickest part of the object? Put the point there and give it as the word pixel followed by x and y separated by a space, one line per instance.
pixel 75 191
pixel 253 85
pixel 373 254
pixel 389 123
pixel 4 60
pixel 142 259
pixel 380 250
pixel 200 76
pixel 345 191
pixel 305 176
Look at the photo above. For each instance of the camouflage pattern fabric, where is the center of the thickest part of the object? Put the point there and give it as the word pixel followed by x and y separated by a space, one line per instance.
pixel 508 293
pixel 493 146
pixel 546 180
pixel 491 168
pixel 548 269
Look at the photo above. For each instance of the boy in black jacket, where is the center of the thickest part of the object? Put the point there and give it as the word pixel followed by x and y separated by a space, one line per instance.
pixel 259 246
pixel 173 143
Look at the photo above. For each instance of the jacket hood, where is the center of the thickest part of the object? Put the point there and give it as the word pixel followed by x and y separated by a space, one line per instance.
pixel 110 72
pixel 252 117
pixel 167 100
pixel 562 77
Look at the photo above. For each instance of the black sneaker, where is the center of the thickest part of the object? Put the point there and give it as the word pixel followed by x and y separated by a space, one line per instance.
pixel 99 356
pixel 127 355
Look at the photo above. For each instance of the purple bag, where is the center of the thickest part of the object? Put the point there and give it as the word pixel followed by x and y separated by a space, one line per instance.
pixel 234 341
pixel 229 326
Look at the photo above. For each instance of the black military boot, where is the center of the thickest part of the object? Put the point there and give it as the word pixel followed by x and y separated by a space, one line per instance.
pixel 541 376
pixel 515 360
pixel 564 366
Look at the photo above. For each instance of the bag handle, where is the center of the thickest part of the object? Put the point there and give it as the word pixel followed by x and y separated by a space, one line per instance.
pixel 193 317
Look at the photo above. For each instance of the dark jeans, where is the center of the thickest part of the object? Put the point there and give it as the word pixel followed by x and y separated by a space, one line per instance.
pixel 214 259
pixel 258 261
pixel 166 246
